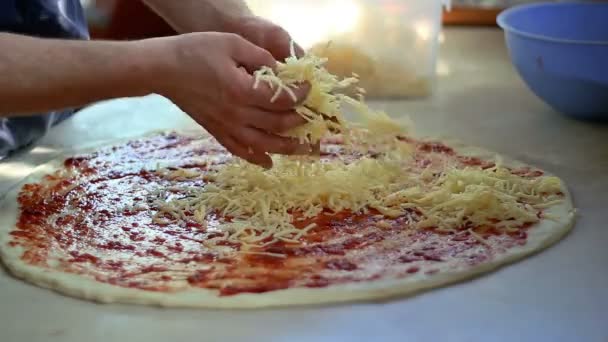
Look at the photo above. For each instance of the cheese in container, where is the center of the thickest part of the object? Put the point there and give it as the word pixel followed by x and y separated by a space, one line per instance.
pixel 391 45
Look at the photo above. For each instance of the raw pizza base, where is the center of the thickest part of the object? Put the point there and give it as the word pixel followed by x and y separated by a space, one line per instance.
pixel 540 236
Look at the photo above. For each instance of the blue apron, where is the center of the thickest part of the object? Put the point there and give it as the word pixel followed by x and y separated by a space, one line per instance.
pixel 41 18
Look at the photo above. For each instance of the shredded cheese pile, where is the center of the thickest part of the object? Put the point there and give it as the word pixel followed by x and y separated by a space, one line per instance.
pixel 261 203
pixel 473 197
pixel 265 200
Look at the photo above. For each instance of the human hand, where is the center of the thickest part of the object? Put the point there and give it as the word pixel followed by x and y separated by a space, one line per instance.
pixel 232 16
pixel 266 35
pixel 209 76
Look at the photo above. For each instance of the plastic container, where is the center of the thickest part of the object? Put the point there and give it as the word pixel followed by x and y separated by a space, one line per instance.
pixel 391 44
pixel 561 52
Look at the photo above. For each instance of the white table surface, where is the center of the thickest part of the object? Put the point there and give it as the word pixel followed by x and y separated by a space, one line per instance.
pixel 558 295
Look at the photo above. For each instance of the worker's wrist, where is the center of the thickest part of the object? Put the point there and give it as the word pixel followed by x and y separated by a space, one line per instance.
pixel 151 61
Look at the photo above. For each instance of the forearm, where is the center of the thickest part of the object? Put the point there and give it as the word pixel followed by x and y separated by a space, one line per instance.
pixel 203 15
pixel 44 74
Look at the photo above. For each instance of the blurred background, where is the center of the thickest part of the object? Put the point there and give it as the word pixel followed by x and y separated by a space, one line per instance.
pixel 391 44
pixel 130 19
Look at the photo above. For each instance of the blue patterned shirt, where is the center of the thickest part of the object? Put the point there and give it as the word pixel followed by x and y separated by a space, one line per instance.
pixel 41 18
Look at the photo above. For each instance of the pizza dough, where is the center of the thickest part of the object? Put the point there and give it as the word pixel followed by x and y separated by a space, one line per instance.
pixel 539 236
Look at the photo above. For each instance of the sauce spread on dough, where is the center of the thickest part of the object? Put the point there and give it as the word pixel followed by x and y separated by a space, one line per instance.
pixel 95 218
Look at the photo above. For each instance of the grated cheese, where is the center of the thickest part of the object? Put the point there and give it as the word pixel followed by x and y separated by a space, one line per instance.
pixel 276 255
pixel 261 203
pixel 474 196
pixel 322 109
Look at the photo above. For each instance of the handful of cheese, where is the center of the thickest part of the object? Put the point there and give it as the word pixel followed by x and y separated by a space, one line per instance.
pixel 323 108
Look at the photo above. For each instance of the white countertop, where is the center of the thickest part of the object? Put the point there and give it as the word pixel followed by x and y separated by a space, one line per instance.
pixel 560 294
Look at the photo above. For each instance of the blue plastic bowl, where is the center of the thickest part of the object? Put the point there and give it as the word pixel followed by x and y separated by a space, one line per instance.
pixel 561 52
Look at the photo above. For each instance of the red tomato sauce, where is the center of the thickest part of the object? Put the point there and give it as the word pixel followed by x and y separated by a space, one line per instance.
pixel 98 222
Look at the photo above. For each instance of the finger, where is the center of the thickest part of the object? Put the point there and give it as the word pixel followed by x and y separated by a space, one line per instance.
pixel 279 43
pixel 220 132
pixel 263 95
pixel 259 140
pixel 273 122
pixel 249 154
pixel 249 55
pixel 281 48
pixel 298 50
pixel 266 97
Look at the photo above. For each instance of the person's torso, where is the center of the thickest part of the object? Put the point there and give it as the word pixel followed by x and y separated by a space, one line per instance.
pixel 41 18
pixel 44 18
